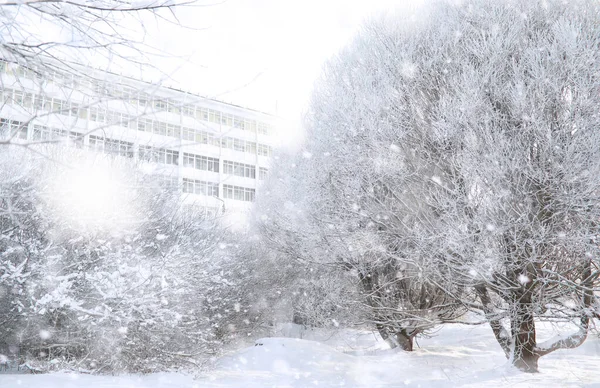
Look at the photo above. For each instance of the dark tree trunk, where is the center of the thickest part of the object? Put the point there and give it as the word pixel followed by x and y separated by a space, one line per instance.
pixel 404 340
pixel 524 354
pixel 400 339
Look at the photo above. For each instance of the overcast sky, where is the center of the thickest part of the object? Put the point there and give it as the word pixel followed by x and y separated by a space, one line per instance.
pixel 262 54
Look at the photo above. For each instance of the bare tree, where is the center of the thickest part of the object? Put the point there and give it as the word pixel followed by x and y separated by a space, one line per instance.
pixel 54 56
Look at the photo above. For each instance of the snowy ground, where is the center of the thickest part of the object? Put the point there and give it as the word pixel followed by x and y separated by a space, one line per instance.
pixel 458 356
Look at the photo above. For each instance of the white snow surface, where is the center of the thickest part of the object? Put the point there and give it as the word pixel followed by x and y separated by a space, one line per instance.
pixel 457 356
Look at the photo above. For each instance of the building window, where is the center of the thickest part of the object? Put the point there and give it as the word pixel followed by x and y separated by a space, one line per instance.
pixel 188 133
pixel 264 150
pixel 174 106
pixel 171 157
pixel 251 147
pixel 160 128
pixel 250 125
pixel 188 110
pixel 160 104
pixel 263 173
pixel 238 122
pixel 118 118
pixel 173 130
pixel 264 129
pixel 226 119
pixel 214 116
pixel 202 114
pixel 239 145
pixel 18 97
pixel 96 143
pixel 97 114
pixel 74 109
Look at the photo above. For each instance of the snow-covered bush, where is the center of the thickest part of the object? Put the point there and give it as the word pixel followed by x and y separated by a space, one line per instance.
pixel 87 294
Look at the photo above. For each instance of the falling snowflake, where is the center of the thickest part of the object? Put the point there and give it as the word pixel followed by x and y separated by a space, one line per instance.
pixel 524 279
pixel 45 334
pixel 408 70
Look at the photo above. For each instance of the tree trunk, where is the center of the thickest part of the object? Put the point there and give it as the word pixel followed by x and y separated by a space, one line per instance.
pixel 524 355
pixel 404 340
pixel 498 329
pixel 397 339
pixel 520 346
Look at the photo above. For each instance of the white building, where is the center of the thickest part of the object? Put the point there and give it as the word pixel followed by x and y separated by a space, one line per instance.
pixel 216 153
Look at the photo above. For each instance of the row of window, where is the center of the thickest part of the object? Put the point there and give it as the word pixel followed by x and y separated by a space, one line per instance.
pixel 18 129
pixel 144 124
pixel 158 155
pixel 110 146
pixel 13 129
pixel 194 186
pixel 239 193
pixel 206 163
pixel 42 132
pixel 201 137
pixel 30 100
pixel 200 162
pixel 211 189
pixel 140 98
pixel 239 169
pixel 124 148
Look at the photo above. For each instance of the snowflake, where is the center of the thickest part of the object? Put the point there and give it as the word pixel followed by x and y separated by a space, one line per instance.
pixel 524 279
pixel 436 179
pixel 45 334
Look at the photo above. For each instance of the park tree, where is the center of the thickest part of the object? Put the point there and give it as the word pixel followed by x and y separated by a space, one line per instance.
pixel 326 211
pixel 452 160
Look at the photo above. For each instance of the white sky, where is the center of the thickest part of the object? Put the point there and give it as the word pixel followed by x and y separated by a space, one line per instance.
pixel 261 54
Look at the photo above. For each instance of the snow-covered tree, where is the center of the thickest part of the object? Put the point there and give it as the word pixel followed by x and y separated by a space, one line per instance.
pixel 323 211
pixel 460 149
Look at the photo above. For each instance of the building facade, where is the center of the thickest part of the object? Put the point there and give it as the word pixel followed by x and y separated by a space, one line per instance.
pixel 215 153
